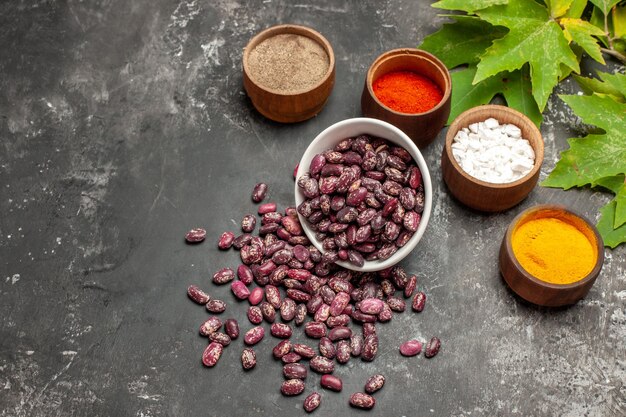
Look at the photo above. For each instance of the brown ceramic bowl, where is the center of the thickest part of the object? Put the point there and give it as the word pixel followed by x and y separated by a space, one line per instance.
pixel 292 106
pixel 422 128
pixel 481 195
pixel 541 292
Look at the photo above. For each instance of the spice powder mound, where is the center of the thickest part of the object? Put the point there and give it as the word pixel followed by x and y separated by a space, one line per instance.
pixel 288 63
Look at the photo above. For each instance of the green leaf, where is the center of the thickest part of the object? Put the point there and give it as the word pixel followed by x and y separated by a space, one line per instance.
pixel 534 38
pixel 605 5
pixel 613 184
pixel 576 9
pixel 513 86
pixel 620 207
pixel 467 5
pixel 462 42
pixel 583 32
pixel 613 85
pixel 611 236
pixel 619 21
pixel 597 155
pixel 558 7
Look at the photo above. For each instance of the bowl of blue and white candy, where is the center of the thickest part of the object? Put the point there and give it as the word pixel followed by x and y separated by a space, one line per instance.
pixel 492 157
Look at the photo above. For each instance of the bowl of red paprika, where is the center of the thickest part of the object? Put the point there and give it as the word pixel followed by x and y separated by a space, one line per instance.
pixel 410 89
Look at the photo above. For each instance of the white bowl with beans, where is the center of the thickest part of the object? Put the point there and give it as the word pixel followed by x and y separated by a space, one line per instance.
pixel 374 128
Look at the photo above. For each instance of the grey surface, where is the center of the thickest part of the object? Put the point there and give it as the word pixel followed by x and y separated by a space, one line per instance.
pixel 123 124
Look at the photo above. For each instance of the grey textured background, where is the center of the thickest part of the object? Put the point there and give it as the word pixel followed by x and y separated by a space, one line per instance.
pixel 124 123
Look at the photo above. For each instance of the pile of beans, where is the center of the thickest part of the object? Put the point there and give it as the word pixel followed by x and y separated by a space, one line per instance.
pixel 283 275
pixel 363 198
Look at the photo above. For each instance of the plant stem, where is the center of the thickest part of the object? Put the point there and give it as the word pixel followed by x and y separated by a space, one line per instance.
pixel 606 31
pixel 614 54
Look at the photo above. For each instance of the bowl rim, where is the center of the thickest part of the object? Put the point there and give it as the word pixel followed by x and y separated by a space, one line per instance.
pixel 455 126
pixel 289 29
pixel 366 123
pixel 592 275
pixel 415 53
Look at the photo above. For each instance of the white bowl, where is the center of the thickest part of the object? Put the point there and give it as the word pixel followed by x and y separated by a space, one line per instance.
pixel 373 127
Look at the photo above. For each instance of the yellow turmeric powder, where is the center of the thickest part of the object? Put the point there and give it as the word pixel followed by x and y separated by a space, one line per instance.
pixel 553 250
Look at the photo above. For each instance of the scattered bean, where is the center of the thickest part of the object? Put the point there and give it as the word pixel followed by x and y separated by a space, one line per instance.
pixel 374 383
pixel 195 235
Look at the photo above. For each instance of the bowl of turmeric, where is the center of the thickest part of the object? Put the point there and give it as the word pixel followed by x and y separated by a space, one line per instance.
pixel 551 256
pixel 411 89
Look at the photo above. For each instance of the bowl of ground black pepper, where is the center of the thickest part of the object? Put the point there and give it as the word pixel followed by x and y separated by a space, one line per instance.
pixel 410 89
pixel 551 256
pixel 288 72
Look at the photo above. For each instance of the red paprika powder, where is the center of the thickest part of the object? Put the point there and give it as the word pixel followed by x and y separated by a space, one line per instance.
pixel 407 92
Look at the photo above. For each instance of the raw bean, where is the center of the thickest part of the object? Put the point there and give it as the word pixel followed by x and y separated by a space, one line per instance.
pixel 317 163
pixel 327 348
pixel 312 402
pixel 212 354
pixel 370 348
pixel 240 290
pixel 371 306
pixel 362 317
pixel 280 330
pixel 256 296
pixel 226 240
pixel 223 276
pixel 415 178
pixel 291 357
pixel 322 313
pixel 411 221
pixel 281 349
pixel 266 208
pixel 369 329
pixel 221 338
pixel 400 277
pixel 322 365
pixel 292 387
pixel 197 295
pixel 242 240
pixel 248 359
pixel 419 301
pixel 287 309
pixel 294 371
pixel 274 247
pixel 271 217
pixel 268 228
pixel 303 350
pixel 299 274
pixel 411 348
pixel 272 295
pixel 331 382
pixel 343 351
pixel 362 400
pixel 298 296
pixel 259 192
pixel 374 383
pixel 244 273
pixel 327 294
pixel 248 223
pixel 396 304
pixel 300 314
pixel 255 315
pixel 432 348
pixel 254 335
pixel 339 333
pixel 292 225
pixel 216 306
pixel 385 315
pixel 340 320
pixel 340 302
pixel 356 344
pixel 195 235
pixel 314 304
pixel 410 286
pixel 231 326
pixel 211 325
pixel 269 314
pixel 315 329
pixel 250 254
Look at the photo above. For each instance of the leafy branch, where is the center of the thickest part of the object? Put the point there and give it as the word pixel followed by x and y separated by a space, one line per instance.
pixel 520 50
